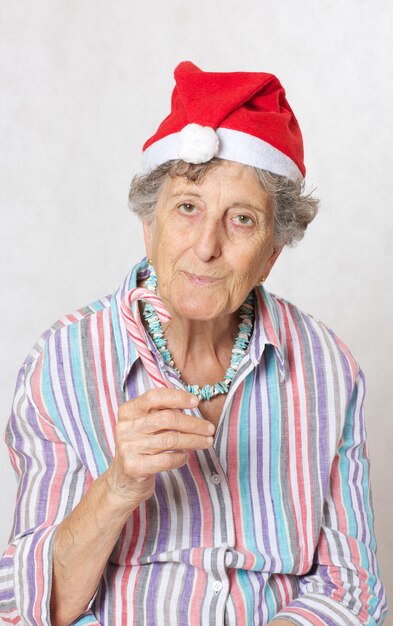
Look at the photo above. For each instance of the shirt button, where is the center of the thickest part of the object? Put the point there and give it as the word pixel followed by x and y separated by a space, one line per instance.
pixel 216 479
pixel 217 586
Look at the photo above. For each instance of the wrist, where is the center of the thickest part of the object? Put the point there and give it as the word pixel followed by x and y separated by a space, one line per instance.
pixel 119 501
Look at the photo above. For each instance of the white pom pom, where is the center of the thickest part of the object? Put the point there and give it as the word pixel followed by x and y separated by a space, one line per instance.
pixel 197 144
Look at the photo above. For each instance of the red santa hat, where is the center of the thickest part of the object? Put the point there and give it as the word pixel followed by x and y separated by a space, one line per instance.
pixel 238 116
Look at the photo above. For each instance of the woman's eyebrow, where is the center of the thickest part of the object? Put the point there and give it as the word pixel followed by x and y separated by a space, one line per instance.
pixel 185 193
pixel 243 205
pixel 247 205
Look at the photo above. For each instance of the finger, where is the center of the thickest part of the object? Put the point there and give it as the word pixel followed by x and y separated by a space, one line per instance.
pixel 166 419
pixel 156 399
pixel 175 420
pixel 168 460
pixel 133 431
pixel 172 440
pixel 143 466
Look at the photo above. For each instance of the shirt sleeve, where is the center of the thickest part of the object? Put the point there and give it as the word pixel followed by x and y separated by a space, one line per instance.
pixel 51 481
pixel 343 587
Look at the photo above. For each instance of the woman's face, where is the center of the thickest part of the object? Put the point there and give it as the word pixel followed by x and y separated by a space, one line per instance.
pixel 210 242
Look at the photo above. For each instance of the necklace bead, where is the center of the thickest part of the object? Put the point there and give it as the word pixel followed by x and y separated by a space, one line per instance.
pixel 242 340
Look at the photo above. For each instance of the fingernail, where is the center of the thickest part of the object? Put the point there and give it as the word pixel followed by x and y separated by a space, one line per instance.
pixel 211 428
pixel 194 401
pixel 209 440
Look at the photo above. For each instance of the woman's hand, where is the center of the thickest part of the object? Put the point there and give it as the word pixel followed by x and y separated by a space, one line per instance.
pixel 154 435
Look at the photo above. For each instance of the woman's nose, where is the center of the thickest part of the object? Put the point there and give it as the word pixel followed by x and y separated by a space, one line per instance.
pixel 207 241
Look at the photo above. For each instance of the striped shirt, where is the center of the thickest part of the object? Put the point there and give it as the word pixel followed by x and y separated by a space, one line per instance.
pixel 274 520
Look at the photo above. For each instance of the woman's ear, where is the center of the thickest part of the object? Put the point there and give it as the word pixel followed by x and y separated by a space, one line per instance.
pixel 271 261
pixel 148 236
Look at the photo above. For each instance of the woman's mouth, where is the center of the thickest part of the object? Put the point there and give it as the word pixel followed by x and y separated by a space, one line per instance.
pixel 201 280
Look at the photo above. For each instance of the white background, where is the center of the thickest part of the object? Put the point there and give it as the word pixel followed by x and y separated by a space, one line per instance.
pixel 83 83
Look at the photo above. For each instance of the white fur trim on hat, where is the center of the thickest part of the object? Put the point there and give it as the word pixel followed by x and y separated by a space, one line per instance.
pixel 197 144
pixel 234 145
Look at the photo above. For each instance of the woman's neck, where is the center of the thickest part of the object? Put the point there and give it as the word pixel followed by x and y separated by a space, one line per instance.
pixel 198 344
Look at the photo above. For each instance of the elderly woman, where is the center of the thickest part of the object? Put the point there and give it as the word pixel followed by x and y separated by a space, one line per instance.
pixel 210 469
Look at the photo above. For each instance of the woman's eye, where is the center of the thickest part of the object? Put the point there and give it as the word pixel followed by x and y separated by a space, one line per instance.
pixel 187 208
pixel 244 220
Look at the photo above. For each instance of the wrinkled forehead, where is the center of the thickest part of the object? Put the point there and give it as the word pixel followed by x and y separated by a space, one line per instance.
pixel 228 181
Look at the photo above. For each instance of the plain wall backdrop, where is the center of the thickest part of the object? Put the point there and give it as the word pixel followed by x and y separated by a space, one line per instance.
pixel 85 82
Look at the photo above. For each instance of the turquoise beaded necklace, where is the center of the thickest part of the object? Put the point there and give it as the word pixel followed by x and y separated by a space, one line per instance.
pixel 239 349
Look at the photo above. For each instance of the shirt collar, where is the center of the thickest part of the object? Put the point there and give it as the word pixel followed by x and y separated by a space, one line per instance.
pixel 266 329
pixel 266 326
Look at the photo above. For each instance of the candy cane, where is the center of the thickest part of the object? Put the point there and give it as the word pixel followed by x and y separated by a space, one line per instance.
pixel 135 327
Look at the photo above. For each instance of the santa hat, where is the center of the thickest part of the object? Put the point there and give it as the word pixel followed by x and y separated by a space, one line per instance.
pixel 238 116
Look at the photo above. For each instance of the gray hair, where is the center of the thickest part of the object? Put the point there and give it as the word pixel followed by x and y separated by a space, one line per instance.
pixel 293 209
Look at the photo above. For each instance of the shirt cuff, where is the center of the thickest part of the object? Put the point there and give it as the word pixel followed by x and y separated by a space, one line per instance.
pixel 320 610
pixel 33 575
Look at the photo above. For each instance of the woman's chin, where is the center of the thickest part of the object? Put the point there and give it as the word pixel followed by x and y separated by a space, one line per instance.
pixel 197 310
pixel 196 301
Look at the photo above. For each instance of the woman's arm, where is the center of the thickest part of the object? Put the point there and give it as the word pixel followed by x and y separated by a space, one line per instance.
pixel 83 544
pixel 150 438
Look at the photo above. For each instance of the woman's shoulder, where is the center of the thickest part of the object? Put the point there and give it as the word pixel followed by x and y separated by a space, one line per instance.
pixel 69 325
pixel 301 330
pixel 94 318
